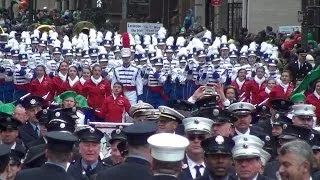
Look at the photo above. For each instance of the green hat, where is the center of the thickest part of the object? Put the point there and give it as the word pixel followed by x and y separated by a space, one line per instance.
pixel 7 108
pixel 81 100
pixel 298 97
pixel 68 94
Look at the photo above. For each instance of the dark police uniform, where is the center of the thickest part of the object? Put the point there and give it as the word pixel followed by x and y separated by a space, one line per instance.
pixel 57 142
pixel 164 177
pixel 134 167
pixel 79 170
pixel 28 131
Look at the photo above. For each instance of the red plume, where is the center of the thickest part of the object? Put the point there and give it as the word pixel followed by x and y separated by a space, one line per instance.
pixel 125 40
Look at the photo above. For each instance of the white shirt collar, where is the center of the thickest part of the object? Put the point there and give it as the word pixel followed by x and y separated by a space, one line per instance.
pixel 255 178
pixel 192 164
pixel 14 145
pixel 240 133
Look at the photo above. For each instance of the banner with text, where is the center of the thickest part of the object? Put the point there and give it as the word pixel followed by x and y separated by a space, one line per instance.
pixel 289 29
pixel 143 28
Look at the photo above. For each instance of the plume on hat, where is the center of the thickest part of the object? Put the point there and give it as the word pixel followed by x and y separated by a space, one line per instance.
pixel 207 34
pixel 252 46
pixel 159 54
pixel 125 40
pixel 154 40
pixel 244 49
pixel 131 39
pixel 151 48
pixel 217 41
pixel 12 34
pixel 139 49
pixel 232 47
pixel 182 52
pixel 117 40
pixel 197 44
pixel 180 41
pixel 170 41
pixel 57 43
pixel 263 46
pixel 224 39
pixel 146 40
pixel 137 39
pixel 74 41
pixel 108 36
pixel 162 33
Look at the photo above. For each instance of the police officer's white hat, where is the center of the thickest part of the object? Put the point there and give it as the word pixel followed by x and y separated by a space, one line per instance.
pixel 168 147
pixel 247 146
pixel 265 156
pixel 139 107
pixel 170 113
pixel 303 110
pixel 241 108
pixel 197 124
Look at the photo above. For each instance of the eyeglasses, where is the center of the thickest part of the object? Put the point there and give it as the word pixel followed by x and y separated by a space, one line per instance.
pixel 193 137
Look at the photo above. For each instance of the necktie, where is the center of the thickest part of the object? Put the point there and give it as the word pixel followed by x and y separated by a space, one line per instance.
pixel 36 130
pixel 89 168
pixel 198 173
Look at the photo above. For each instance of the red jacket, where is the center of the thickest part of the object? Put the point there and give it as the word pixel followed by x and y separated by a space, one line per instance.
pixel 96 94
pixel 41 89
pixel 312 99
pixel 113 109
pixel 277 92
pixel 252 91
pixel 57 84
pixel 77 87
pixel 263 95
pixel 240 90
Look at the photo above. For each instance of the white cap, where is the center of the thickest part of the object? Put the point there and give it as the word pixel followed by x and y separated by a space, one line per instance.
pixel 197 124
pixel 125 52
pixel 303 110
pixel 265 156
pixel 247 146
pixel 168 147
pixel 241 108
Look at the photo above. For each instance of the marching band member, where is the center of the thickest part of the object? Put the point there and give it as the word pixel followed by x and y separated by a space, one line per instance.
pixel 67 50
pixel 255 86
pixel 127 74
pixel 96 89
pixel 156 79
pixel 263 95
pixel 240 82
pixel 85 75
pixel 72 82
pixel 207 39
pixel 115 106
pixel 284 89
pixel 42 85
pixel 22 76
pixel 179 76
pixel 56 58
pixel 60 78
pixel 161 37
pixel 224 50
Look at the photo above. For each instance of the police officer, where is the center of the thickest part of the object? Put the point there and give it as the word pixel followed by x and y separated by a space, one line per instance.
pixel 167 151
pixel 169 119
pixel 196 130
pixel 89 165
pixel 303 115
pixel 117 136
pixel 136 111
pixel 218 157
pixel 58 152
pixel 4 161
pixel 242 111
pixel 300 67
pixel 9 133
pixel 31 129
pixel 247 157
pixel 138 163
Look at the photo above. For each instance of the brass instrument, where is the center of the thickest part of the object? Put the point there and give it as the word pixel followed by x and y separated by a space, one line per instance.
pixel 46 28
pixel 82 26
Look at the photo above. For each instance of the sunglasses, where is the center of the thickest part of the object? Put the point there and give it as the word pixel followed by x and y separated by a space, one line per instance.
pixel 193 137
